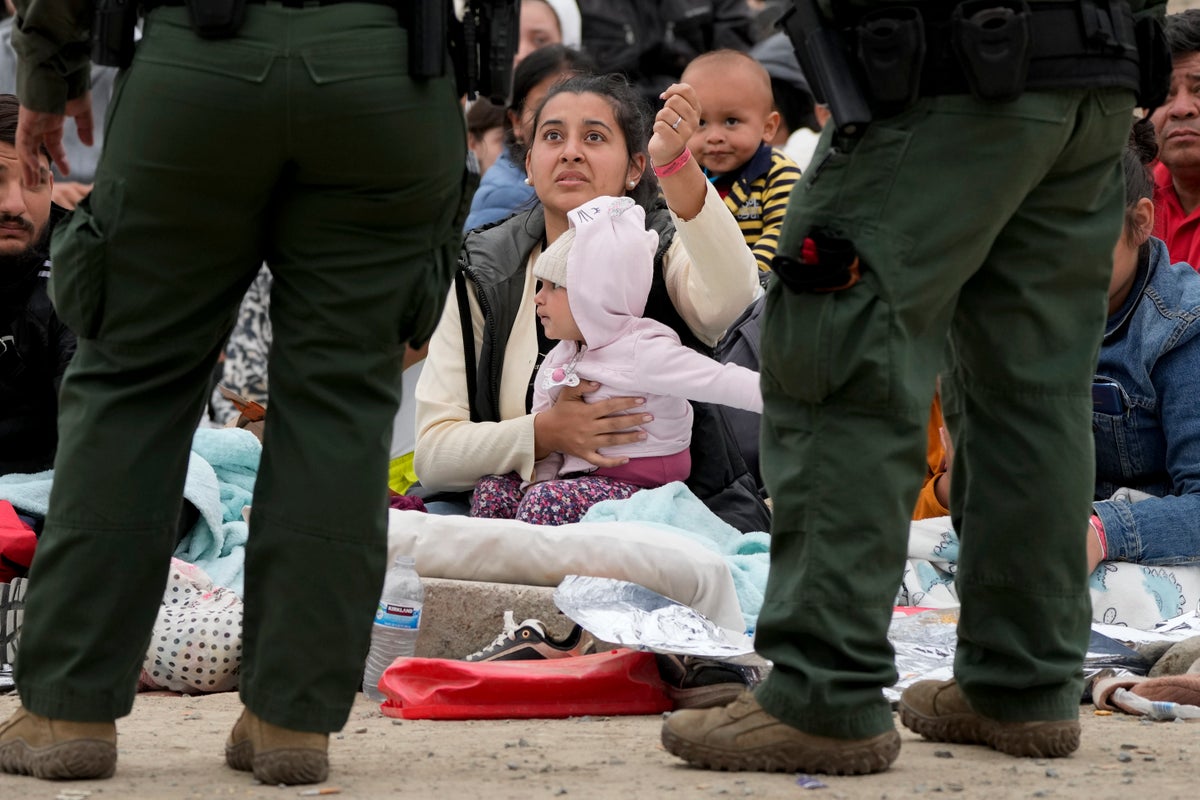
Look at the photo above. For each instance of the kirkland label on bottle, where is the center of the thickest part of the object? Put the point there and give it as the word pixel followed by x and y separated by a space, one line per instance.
pixel 394 615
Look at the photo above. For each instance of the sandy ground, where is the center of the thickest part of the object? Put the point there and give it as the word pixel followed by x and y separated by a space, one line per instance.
pixel 171 747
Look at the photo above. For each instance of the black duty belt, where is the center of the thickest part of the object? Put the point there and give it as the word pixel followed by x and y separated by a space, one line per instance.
pixel 876 62
pixel 1064 53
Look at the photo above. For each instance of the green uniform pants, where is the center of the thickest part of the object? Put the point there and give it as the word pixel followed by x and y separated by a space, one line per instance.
pixel 301 142
pixel 987 231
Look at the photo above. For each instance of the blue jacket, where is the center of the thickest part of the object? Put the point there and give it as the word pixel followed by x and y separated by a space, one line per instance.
pixel 502 191
pixel 1152 349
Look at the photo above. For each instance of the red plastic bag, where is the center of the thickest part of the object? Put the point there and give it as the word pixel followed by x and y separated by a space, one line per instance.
pixel 615 682
pixel 17 543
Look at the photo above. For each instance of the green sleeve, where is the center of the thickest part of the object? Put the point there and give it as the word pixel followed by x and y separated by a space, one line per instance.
pixel 53 43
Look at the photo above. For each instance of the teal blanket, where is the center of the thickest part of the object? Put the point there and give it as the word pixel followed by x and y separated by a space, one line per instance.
pixel 220 483
pixel 674 508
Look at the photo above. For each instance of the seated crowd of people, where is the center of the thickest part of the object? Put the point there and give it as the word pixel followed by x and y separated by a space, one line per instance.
pixel 604 270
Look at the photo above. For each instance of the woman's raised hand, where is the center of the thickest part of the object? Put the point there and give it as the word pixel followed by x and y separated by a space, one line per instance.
pixel 674 124
pixel 578 428
pixel 680 177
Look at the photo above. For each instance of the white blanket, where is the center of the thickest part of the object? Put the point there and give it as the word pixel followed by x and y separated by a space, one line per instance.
pixel 1133 595
pixel 508 551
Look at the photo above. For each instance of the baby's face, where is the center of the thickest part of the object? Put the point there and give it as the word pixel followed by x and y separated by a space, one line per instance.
pixel 554 312
pixel 735 117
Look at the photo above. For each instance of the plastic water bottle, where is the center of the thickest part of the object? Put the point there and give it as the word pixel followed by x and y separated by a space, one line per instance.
pixel 397 622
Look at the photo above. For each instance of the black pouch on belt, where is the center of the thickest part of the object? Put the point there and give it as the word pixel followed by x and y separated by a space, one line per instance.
pixel 891 49
pixel 216 19
pixel 994 42
pixel 827 263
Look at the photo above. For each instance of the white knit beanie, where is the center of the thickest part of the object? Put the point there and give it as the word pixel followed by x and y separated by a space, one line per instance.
pixel 551 265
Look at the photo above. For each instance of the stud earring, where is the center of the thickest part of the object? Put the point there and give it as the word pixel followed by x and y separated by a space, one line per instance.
pixel 529 181
pixel 632 184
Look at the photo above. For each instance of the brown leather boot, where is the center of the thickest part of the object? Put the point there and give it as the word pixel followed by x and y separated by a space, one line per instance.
pixel 277 755
pixel 938 710
pixel 55 749
pixel 743 736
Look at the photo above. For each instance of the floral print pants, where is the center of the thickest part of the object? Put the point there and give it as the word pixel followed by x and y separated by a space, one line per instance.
pixel 555 502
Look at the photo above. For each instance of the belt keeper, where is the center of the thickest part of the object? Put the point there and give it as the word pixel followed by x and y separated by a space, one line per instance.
pixel 671 167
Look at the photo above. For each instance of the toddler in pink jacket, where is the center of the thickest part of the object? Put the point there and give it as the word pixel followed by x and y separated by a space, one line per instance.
pixel 596 278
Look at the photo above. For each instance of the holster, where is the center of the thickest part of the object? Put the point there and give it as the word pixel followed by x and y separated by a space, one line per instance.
pixel 823 57
pixel 216 19
pixel 112 32
pixel 427 32
pixel 994 43
pixel 1154 63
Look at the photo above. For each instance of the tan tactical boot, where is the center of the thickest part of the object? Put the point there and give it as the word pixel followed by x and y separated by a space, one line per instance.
pixel 277 755
pixel 55 749
pixel 937 710
pixel 742 736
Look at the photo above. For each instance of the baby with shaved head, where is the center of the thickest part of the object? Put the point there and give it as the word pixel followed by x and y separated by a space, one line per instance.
pixel 732 144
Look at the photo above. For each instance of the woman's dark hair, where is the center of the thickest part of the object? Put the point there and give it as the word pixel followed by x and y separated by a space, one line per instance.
pixel 1140 152
pixel 483 115
pixel 633 118
pixel 553 59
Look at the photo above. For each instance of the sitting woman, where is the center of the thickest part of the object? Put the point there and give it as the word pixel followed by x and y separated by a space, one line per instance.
pixel 590 139
pixel 1147 421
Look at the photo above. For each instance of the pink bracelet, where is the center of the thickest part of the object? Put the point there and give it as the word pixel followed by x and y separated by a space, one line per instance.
pixel 669 169
pixel 1098 527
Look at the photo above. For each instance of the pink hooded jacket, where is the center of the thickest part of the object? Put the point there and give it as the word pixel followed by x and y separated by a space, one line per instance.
pixel 609 270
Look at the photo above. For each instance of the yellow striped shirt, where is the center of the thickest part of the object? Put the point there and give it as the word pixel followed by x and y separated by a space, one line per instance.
pixel 758 199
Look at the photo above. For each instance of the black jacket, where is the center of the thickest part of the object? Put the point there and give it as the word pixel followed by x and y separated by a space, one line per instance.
pixel 35 348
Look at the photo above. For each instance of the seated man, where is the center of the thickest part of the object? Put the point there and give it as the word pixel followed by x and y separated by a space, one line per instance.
pixel 35 346
pixel 1177 125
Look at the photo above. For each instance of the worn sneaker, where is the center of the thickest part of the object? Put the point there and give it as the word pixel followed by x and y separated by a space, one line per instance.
pixel 12 612
pixel 530 642
pixel 743 736
pixel 695 682
pixel 938 710
pixel 277 755
pixel 54 749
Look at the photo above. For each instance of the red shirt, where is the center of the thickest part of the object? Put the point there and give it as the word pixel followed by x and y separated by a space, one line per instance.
pixel 1179 230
